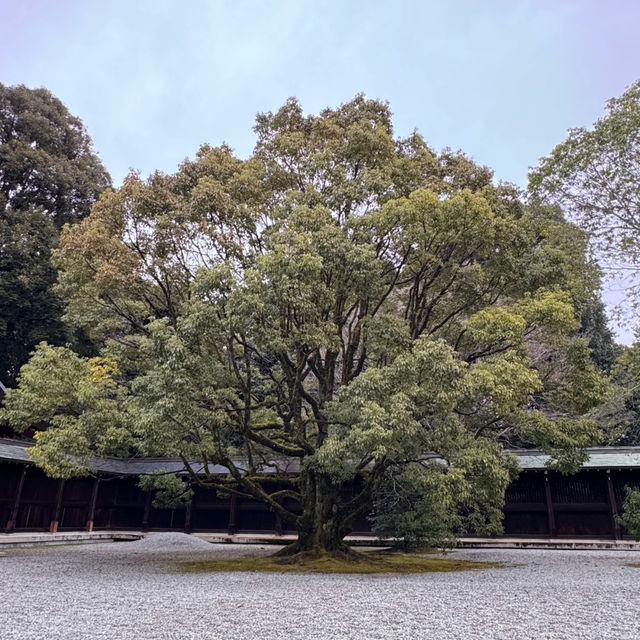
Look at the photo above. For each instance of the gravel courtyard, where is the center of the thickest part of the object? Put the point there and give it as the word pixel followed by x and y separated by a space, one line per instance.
pixel 131 590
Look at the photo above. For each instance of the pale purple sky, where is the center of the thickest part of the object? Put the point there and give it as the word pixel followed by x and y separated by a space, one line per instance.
pixel 501 79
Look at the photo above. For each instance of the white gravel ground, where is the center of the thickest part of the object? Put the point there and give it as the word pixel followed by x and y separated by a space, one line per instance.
pixel 131 591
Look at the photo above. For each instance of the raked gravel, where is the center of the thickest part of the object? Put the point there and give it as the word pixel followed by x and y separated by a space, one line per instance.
pixel 132 591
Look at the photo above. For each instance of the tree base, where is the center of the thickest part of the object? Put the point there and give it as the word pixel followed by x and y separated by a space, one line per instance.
pixel 295 553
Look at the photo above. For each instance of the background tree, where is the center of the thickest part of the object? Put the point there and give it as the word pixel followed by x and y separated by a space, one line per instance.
pixel 594 327
pixel 594 175
pixel 47 160
pixel 316 318
pixel 30 311
pixel 49 175
pixel 619 416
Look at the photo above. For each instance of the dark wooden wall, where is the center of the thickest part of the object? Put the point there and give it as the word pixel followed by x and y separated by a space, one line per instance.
pixel 539 503
pixel 547 503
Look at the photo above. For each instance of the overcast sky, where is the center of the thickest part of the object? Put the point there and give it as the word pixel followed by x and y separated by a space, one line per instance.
pixel 500 79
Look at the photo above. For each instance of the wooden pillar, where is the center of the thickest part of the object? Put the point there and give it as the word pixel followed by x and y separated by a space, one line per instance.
pixel 147 511
pixel 112 506
pixel 550 515
pixel 11 525
pixel 53 527
pixel 233 515
pixel 92 504
pixel 187 517
pixel 613 507
pixel 278 528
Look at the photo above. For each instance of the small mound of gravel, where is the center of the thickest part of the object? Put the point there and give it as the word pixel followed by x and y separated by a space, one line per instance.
pixel 170 541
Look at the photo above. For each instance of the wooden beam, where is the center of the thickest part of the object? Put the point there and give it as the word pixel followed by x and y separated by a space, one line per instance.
pixel 550 515
pixel 613 507
pixel 53 527
pixel 11 525
pixel 278 529
pixel 92 504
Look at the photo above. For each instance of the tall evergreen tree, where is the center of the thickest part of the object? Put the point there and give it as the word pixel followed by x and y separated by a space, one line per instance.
pixel 49 175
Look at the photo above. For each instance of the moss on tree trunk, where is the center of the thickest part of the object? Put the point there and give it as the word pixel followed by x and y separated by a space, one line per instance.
pixel 323 523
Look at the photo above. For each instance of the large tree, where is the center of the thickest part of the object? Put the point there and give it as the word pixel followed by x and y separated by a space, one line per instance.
pixel 49 175
pixel 316 320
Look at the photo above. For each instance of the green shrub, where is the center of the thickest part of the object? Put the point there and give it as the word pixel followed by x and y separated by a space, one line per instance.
pixel 631 513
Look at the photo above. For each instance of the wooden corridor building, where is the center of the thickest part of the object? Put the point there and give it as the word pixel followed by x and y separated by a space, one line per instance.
pixel 539 503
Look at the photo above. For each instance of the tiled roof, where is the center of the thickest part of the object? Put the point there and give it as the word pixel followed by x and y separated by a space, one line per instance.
pixel 17 451
pixel 599 458
pixel 13 450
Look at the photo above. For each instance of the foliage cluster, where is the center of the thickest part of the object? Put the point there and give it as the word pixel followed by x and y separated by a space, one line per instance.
pixel 594 175
pixel 631 513
pixel 49 175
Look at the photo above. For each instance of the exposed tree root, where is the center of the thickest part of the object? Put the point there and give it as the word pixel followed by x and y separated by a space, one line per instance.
pixel 291 555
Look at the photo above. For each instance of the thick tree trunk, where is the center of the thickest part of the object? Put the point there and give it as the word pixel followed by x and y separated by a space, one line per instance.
pixel 322 526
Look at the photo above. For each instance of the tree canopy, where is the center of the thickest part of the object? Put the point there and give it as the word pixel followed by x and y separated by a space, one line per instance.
pixel 595 176
pixel 342 314
pixel 49 175
pixel 47 160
